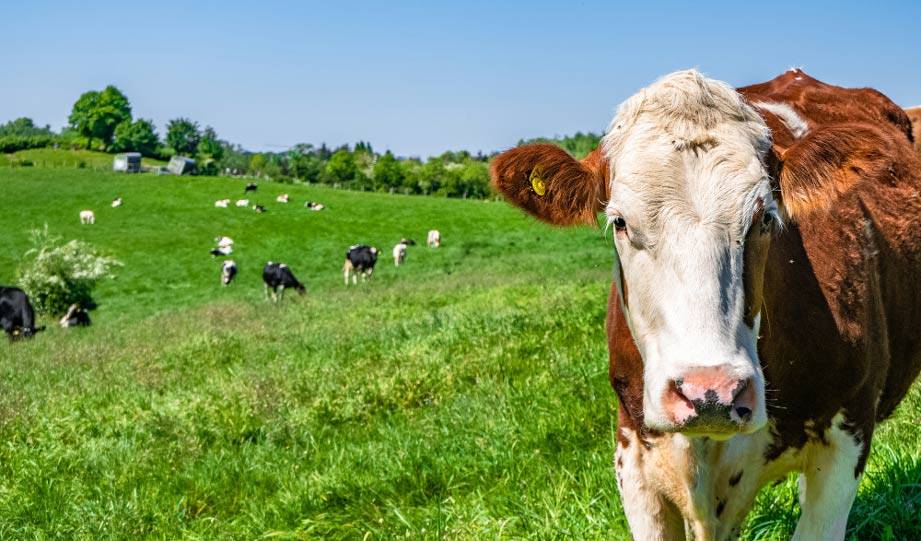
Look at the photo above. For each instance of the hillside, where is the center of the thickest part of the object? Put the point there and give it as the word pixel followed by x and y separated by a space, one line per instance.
pixel 463 396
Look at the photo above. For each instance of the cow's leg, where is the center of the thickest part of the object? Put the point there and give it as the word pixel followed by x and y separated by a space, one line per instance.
pixel 345 273
pixel 829 483
pixel 650 515
pixel 265 289
pixel 281 293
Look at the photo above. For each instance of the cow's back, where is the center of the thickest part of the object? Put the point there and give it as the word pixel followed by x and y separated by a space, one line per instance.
pixel 842 298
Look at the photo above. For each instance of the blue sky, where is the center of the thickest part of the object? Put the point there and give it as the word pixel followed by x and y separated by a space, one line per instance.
pixel 423 77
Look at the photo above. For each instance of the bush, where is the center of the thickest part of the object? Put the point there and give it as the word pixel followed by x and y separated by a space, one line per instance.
pixel 56 274
pixel 14 143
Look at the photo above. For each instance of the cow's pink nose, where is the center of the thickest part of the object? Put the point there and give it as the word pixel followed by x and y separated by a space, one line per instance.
pixel 710 396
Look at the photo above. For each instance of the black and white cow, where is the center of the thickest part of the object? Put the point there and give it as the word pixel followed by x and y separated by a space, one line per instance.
pixel 360 259
pixel 251 187
pixel 278 277
pixel 16 314
pixel 258 209
pixel 228 271
pixel 76 316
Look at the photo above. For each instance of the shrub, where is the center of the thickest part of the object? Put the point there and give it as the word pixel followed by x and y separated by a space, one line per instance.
pixel 14 143
pixel 56 274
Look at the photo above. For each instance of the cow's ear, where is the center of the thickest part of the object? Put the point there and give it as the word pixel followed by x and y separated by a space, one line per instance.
pixel 548 183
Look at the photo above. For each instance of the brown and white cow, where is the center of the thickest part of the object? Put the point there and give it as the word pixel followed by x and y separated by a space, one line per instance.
pixel 766 295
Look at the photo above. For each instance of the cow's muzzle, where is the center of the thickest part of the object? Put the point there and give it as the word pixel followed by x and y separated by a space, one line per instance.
pixel 710 401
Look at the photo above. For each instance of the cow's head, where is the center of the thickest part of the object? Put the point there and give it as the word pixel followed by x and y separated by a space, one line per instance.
pixel 681 177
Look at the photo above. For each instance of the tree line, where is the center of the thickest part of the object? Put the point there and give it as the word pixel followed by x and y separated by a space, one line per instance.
pixel 102 120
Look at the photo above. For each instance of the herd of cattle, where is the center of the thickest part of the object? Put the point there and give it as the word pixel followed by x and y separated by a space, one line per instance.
pixel 17 316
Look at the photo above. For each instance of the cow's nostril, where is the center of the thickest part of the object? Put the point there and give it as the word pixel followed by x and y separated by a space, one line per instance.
pixel 743 412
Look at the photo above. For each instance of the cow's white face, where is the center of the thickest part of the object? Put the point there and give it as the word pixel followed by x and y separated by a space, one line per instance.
pixel 692 213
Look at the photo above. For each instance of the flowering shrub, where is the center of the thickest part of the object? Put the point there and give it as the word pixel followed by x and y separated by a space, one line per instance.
pixel 56 274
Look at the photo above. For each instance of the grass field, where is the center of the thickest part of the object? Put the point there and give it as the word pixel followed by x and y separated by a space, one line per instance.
pixel 463 396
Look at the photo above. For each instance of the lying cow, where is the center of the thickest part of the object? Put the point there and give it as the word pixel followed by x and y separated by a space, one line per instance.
pixel 278 277
pixel 258 209
pixel 242 202
pixel 360 259
pixel 765 239
pixel 224 246
pixel 313 205
pixel 282 198
pixel 228 271
pixel 117 202
pixel 16 314
pixel 399 251
pixel 222 203
pixel 87 217
pixel 251 187
pixel 434 239
pixel 76 316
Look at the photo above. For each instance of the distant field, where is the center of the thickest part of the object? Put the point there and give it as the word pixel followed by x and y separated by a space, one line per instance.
pixel 51 157
pixel 463 396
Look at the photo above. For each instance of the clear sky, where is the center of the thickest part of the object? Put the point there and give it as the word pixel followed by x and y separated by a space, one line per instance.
pixel 423 77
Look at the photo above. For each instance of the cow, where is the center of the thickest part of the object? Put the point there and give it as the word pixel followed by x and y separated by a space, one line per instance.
pixel 250 187
pixel 16 314
pixel 763 312
pixel 914 114
pixel 359 259
pixel 222 203
pixel 434 239
pixel 224 246
pixel 312 205
pixel 228 271
pixel 242 202
pixel 258 209
pixel 277 277
pixel 282 198
pixel 399 251
pixel 117 202
pixel 87 217
pixel 76 316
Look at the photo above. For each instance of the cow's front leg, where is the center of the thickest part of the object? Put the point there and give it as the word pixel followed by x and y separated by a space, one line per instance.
pixel 829 483
pixel 650 515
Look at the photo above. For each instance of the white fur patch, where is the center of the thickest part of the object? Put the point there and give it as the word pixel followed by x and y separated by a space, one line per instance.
pixel 788 116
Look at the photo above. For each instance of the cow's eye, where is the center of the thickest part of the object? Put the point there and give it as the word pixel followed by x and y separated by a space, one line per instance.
pixel 619 223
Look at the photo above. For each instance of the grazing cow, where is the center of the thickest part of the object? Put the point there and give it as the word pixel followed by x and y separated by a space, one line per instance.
pixel 399 251
pixel 228 271
pixel 914 114
pixel 222 203
pixel 16 314
pixel 278 277
pixel 767 240
pixel 434 239
pixel 251 187
pixel 283 198
pixel 87 217
pixel 360 259
pixel 312 205
pixel 117 202
pixel 76 316
pixel 242 202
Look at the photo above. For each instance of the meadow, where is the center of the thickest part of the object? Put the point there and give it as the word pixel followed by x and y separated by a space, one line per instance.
pixel 461 396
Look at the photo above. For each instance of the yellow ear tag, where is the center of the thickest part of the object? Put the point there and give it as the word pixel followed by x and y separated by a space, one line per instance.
pixel 537 183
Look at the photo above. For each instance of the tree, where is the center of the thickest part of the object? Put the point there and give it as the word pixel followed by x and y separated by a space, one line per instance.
pixel 96 114
pixel 387 172
pixel 183 136
pixel 209 152
pixel 23 127
pixel 341 167
pixel 138 136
